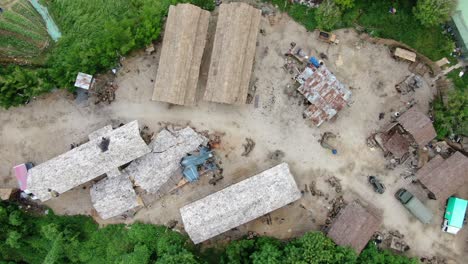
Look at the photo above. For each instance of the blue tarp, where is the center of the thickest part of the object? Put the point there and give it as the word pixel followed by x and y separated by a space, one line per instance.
pixel 314 62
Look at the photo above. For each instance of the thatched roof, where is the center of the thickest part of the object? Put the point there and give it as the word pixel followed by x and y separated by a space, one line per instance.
pixel 181 54
pixel 239 203
pixel 86 162
pixel 418 125
pixel 113 196
pixel 354 226
pixel 233 53
pixel 151 171
pixel 444 177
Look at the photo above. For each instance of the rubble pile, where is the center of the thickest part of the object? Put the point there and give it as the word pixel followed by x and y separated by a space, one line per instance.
pixel 337 203
pixel 335 183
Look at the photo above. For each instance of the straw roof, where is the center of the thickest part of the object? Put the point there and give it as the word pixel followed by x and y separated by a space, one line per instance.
pixel 233 54
pixel 240 203
pixel 181 55
pixel 153 170
pixel 444 177
pixel 113 196
pixel 354 226
pixel 86 162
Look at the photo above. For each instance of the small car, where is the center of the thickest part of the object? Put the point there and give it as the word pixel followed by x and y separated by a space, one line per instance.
pixel 378 186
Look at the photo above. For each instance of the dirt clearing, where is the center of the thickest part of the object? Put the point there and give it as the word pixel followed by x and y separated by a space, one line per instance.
pixel 47 126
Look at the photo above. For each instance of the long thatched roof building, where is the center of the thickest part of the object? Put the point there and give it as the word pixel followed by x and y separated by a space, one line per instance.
pixel 233 54
pixel 181 55
pixel 240 203
pixel 87 162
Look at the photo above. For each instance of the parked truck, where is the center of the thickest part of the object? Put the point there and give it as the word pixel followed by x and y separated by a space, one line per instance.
pixel 414 205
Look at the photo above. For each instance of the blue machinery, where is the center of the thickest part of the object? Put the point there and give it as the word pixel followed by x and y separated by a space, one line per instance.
pixel 191 163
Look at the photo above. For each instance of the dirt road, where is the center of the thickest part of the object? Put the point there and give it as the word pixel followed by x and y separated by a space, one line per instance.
pixel 47 126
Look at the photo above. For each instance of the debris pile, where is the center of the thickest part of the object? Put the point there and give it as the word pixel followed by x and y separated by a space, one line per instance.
pixel 248 147
pixel 337 203
pixel 104 93
pixel 335 183
pixel 433 260
pixel 277 155
pixel 410 84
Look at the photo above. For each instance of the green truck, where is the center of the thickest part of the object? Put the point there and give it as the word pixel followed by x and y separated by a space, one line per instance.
pixel 454 216
pixel 414 205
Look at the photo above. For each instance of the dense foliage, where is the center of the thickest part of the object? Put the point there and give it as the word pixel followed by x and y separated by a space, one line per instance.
pixel 434 12
pixel 95 36
pixel 51 239
pixel 345 3
pixel 451 115
pixel 328 14
pixel 375 19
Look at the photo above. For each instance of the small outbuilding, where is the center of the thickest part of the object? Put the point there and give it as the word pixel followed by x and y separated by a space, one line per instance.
pixel 412 128
pixel 418 125
pixel 354 226
pixel 405 54
pixel 83 81
pixel 239 203
pixel 443 177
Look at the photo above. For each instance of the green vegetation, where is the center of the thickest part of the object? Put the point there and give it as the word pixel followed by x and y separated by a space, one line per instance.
pixel 328 14
pixel 22 32
pixel 27 238
pixel 434 12
pixel 375 18
pixel 95 37
pixel 451 116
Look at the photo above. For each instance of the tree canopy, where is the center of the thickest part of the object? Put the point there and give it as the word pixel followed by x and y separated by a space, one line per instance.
pixel 328 14
pixel 28 238
pixel 434 12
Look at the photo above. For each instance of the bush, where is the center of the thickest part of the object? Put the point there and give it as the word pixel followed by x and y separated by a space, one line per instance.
pixel 328 15
pixel 434 12
pixel 452 117
pixel 344 4
pixel 77 239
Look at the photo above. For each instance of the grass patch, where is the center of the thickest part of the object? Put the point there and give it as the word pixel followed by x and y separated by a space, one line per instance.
pixel 460 83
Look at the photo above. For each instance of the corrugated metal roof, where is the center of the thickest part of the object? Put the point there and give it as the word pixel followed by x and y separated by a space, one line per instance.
pixel 326 94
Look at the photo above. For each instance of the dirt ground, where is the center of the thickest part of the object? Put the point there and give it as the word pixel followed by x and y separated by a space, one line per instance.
pixel 47 126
